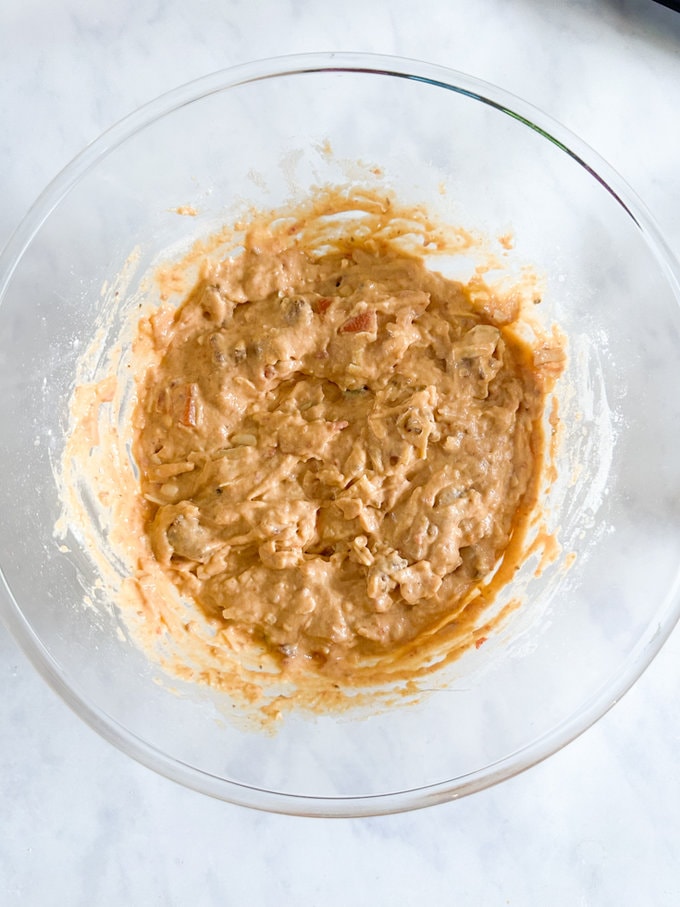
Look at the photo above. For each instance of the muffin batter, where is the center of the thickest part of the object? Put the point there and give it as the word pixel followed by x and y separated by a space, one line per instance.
pixel 335 445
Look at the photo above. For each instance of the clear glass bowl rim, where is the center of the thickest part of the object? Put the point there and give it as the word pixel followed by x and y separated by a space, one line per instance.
pixel 393 801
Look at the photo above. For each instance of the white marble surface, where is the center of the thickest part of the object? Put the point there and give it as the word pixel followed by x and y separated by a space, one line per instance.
pixel 598 823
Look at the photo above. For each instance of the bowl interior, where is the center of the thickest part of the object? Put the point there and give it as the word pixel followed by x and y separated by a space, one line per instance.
pixel 477 158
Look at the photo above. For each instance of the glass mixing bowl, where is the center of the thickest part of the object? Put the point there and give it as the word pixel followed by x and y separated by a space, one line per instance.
pixel 478 157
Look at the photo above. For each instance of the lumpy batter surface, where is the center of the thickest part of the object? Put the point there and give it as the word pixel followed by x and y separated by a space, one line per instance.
pixel 335 447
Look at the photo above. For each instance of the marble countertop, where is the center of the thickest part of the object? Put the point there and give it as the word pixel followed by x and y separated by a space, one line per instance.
pixel 599 822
